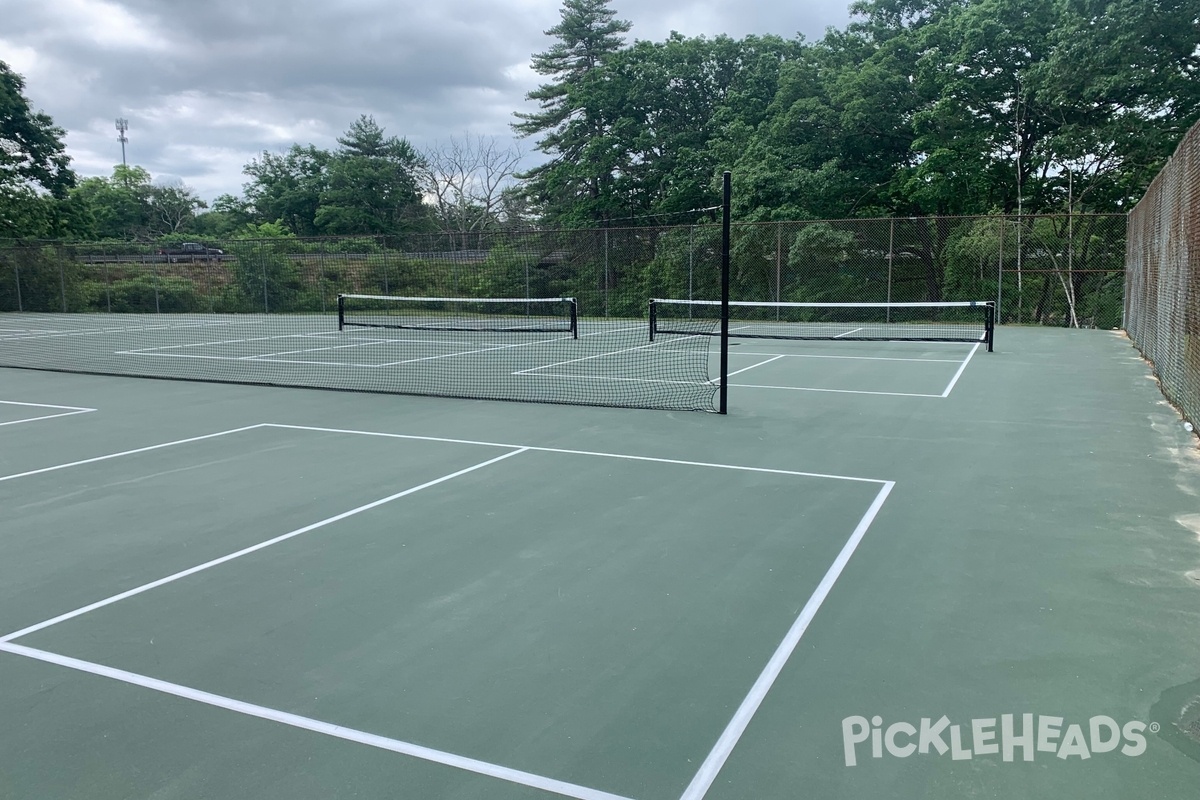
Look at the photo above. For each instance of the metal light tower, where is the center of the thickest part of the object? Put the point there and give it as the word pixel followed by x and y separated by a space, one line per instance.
pixel 122 126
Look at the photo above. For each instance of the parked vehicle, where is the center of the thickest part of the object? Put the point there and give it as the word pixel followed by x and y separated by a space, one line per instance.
pixel 190 251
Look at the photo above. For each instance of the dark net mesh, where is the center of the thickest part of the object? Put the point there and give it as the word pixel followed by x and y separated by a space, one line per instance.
pixel 555 317
pixel 266 311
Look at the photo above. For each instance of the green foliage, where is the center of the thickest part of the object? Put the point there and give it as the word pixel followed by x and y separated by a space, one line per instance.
pixel 32 153
pixel 121 206
pixel 264 230
pixel 287 188
pixel 571 120
pixel 267 280
pixel 372 184
pixel 917 107
pixel 39 279
pixel 142 294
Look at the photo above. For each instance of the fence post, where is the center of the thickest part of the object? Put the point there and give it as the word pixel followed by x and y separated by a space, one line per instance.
pixel 606 272
pixel 691 264
pixel 108 289
pixel 778 261
pixel 321 276
pixel 891 257
pixel 154 272
pixel 262 262
pixel 62 282
pixel 1000 271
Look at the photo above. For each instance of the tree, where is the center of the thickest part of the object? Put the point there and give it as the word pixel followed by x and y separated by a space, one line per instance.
pixel 33 164
pixel 288 187
pixel 573 133
pixel 227 215
pixel 173 207
pixel 372 184
pixel 31 147
pixel 674 104
pixel 467 178
pixel 120 205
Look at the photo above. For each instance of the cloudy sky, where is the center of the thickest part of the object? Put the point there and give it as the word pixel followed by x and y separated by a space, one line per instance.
pixel 207 85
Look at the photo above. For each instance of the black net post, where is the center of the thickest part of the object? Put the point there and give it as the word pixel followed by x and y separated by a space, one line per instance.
pixel 726 195
pixel 653 317
pixel 341 312
pixel 990 331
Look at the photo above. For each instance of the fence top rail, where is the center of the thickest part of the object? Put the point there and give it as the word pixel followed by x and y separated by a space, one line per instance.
pixel 8 243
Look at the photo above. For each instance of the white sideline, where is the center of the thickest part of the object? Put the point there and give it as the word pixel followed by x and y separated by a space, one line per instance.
pixel 535 448
pixel 127 453
pixel 68 411
pixel 247 550
pixel 317 726
pixel 962 367
pixel 700 783
pixel 752 366
pixel 846 358
pixel 835 391
pixel 597 355
pixel 708 771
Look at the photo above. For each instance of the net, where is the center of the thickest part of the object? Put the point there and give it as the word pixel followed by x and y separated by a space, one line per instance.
pixel 490 314
pixel 922 322
pixel 427 315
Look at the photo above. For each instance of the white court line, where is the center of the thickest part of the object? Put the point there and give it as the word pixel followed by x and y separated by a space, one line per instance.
pixel 535 448
pixel 752 366
pixel 251 549
pixel 848 358
pixel 370 343
pixel 242 360
pixel 45 405
pixel 317 726
pixel 847 333
pixel 361 343
pixel 128 452
pixel 613 378
pixel 708 771
pixel 599 355
pixel 68 411
pixel 126 329
pixel 836 391
pixel 958 374
pixel 267 357
pixel 140 350
pixel 509 347
pixel 490 349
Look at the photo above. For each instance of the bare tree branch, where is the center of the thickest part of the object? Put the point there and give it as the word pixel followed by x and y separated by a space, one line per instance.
pixel 465 178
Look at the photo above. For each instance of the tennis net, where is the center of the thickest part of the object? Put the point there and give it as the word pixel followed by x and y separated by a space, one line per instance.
pixel 921 322
pixel 462 314
pixel 551 317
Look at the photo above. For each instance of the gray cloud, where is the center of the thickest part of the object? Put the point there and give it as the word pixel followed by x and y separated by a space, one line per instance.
pixel 209 84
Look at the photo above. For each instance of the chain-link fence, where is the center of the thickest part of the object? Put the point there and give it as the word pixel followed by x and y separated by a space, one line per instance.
pixel 1046 270
pixel 1064 270
pixel 1162 285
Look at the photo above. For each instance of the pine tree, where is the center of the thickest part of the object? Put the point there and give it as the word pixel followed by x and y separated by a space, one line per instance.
pixel 570 122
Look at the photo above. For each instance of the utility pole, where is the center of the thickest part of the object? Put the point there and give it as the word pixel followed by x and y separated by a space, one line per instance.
pixel 122 126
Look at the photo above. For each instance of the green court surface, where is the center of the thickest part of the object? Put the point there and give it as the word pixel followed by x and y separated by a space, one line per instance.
pixel 884 552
